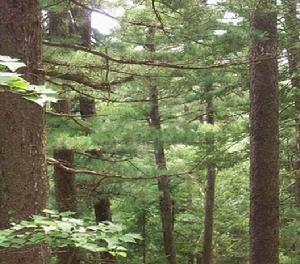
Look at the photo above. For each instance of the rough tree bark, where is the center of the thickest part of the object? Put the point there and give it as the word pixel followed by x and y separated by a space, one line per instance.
pixel 264 180
pixel 166 202
pixel 210 185
pixel 23 179
pixel 292 27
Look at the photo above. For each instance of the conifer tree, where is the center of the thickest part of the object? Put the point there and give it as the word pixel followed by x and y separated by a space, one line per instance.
pixel 166 203
pixel 264 206
pixel 23 179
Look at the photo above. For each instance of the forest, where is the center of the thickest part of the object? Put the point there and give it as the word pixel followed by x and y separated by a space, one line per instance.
pixel 149 132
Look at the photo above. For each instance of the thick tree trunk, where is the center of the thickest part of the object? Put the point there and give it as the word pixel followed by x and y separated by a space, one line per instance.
pixel 166 202
pixel 292 27
pixel 23 179
pixel 264 207
pixel 210 187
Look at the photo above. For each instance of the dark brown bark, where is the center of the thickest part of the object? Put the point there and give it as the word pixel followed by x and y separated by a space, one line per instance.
pixel 64 181
pixel 65 186
pixel 87 107
pixel 292 28
pixel 22 150
pixel 103 213
pixel 210 185
pixel 102 210
pixel 60 23
pixel 82 24
pixel 20 35
pixel 166 202
pixel 23 179
pixel 264 206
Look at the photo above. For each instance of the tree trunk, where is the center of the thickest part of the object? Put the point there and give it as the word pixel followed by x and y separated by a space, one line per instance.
pixel 166 202
pixel 210 186
pixel 103 213
pixel 65 188
pixel 60 24
pixel 87 107
pixel 64 181
pixel 264 206
pixel 82 24
pixel 292 29
pixel 22 137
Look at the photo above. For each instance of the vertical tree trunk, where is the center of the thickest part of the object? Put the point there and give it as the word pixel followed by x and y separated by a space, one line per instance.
pixel 292 27
pixel 82 24
pixel 210 186
pixel 264 206
pixel 82 18
pixel 60 24
pixel 64 181
pixel 166 203
pixel 23 179
pixel 103 213
pixel 65 187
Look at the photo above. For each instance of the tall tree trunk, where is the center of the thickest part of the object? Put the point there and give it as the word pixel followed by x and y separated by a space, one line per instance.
pixel 64 181
pixel 23 178
pixel 82 18
pixel 210 185
pixel 264 206
pixel 292 27
pixel 166 202
pixel 65 187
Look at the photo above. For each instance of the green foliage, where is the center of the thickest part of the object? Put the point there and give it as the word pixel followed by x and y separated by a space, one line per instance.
pixel 61 230
pixel 12 82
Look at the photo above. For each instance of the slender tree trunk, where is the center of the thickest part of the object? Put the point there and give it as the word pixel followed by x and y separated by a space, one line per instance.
pixel 264 206
pixel 166 202
pixel 210 186
pixel 210 182
pixel 292 27
pixel 23 179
